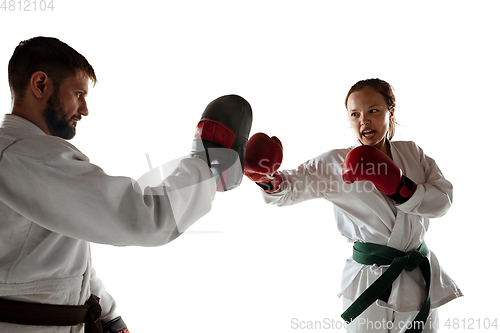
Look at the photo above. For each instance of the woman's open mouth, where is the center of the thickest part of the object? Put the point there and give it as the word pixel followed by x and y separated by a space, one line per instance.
pixel 368 134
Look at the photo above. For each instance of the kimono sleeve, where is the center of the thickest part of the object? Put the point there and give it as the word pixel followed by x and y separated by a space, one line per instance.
pixel 434 197
pixel 56 187
pixel 311 180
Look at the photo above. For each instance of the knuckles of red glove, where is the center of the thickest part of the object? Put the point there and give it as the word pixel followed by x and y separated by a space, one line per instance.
pixel 369 163
pixel 263 157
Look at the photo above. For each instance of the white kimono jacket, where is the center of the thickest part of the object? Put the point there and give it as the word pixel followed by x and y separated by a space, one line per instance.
pixel 365 214
pixel 53 202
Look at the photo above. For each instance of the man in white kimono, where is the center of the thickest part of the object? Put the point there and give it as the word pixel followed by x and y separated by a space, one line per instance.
pixel 54 202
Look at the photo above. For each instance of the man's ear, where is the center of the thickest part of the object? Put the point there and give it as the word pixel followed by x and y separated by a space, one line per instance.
pixel 39 83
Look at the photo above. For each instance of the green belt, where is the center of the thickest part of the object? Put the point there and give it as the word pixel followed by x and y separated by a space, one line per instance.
pixel 369 254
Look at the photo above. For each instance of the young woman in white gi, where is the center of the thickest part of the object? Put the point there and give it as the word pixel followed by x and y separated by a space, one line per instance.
pixel 383 193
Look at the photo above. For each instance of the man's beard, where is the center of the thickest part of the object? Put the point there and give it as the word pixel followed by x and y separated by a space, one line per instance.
pixel 54 118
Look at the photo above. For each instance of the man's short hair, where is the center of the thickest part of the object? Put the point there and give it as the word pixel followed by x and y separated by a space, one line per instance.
pixel 49 55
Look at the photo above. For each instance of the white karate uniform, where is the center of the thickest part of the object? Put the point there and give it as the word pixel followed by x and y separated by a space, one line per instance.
pixel 364 214
pixel 54 202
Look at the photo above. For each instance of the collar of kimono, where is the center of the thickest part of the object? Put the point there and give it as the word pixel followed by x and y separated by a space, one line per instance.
pixel 17 122
pixel 369 254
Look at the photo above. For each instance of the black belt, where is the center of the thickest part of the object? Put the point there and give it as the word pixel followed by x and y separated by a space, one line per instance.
pixel 25 313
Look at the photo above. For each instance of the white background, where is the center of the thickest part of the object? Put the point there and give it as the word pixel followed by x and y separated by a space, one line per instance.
pixel 246 266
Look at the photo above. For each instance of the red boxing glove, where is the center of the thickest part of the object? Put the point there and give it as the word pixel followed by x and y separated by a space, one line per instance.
pixel 263 158
pixel 369 163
